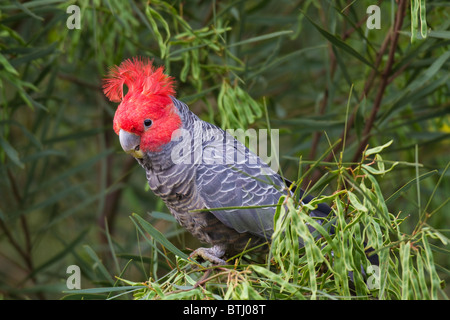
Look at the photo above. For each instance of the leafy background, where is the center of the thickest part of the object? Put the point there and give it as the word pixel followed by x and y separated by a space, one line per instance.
pixel 312 68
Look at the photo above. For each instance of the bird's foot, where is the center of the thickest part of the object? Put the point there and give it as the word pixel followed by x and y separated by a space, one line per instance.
pixel 212 255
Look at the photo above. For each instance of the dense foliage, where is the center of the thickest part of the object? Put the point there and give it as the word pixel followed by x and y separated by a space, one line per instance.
pixel 364 123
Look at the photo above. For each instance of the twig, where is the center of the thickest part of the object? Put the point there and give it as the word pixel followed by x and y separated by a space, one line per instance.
pixel 388 42
pixel 203 279
pixel 384 78
pixel 25 254
pixel 351 120
pixel 367 87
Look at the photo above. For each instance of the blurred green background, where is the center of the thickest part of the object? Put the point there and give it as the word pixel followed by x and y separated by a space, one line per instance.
pixel 66 188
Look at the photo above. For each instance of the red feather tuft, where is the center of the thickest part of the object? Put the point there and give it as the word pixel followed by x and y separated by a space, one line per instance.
pixel 140 76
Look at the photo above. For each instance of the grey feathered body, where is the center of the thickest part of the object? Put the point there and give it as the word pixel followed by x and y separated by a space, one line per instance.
pixel 218 183
pixel 212 172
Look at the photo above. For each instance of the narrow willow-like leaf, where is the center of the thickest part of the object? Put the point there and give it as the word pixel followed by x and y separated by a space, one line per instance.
pixel 158 236
pixel 340 44
pixel 98 264
pixel 12 153
pixel 405 263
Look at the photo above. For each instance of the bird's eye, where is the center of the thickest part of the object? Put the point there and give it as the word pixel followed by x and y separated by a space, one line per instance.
pixel 147 123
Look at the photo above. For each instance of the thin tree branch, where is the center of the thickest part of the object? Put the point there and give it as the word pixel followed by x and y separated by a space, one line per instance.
pixel 384 79
pixel 389 42
pixel 365 92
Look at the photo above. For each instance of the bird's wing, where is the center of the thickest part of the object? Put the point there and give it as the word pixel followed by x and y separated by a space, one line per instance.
pixel 235 178
pixel 239 186
pixel 227 181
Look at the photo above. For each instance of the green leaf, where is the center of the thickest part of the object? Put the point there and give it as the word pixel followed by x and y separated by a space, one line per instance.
pixel 11 153
pixel 158 236
pixel 429 73
pixel 27 11
pixel 405 259
pixel 35 54
pixel 339 43
pixel 439 34
pixel 8 67
pixel 260 38
pixel 154 16
pixel 355 202
pixel 98 264
pixel 378 149
pixel 104 290
pixel 408 185
pixel 68 248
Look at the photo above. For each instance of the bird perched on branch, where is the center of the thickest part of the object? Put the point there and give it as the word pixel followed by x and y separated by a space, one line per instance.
pixel 217 189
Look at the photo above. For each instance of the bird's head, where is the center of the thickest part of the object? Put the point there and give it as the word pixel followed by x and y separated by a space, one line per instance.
pixel 146 116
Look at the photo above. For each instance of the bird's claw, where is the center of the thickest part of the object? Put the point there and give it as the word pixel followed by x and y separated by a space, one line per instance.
pixel 209 254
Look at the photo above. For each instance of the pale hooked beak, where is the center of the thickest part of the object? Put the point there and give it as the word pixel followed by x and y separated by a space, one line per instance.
pixel 131 143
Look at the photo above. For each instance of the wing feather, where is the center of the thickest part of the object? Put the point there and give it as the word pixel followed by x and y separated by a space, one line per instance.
pixel 239 188
pixel 240 185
